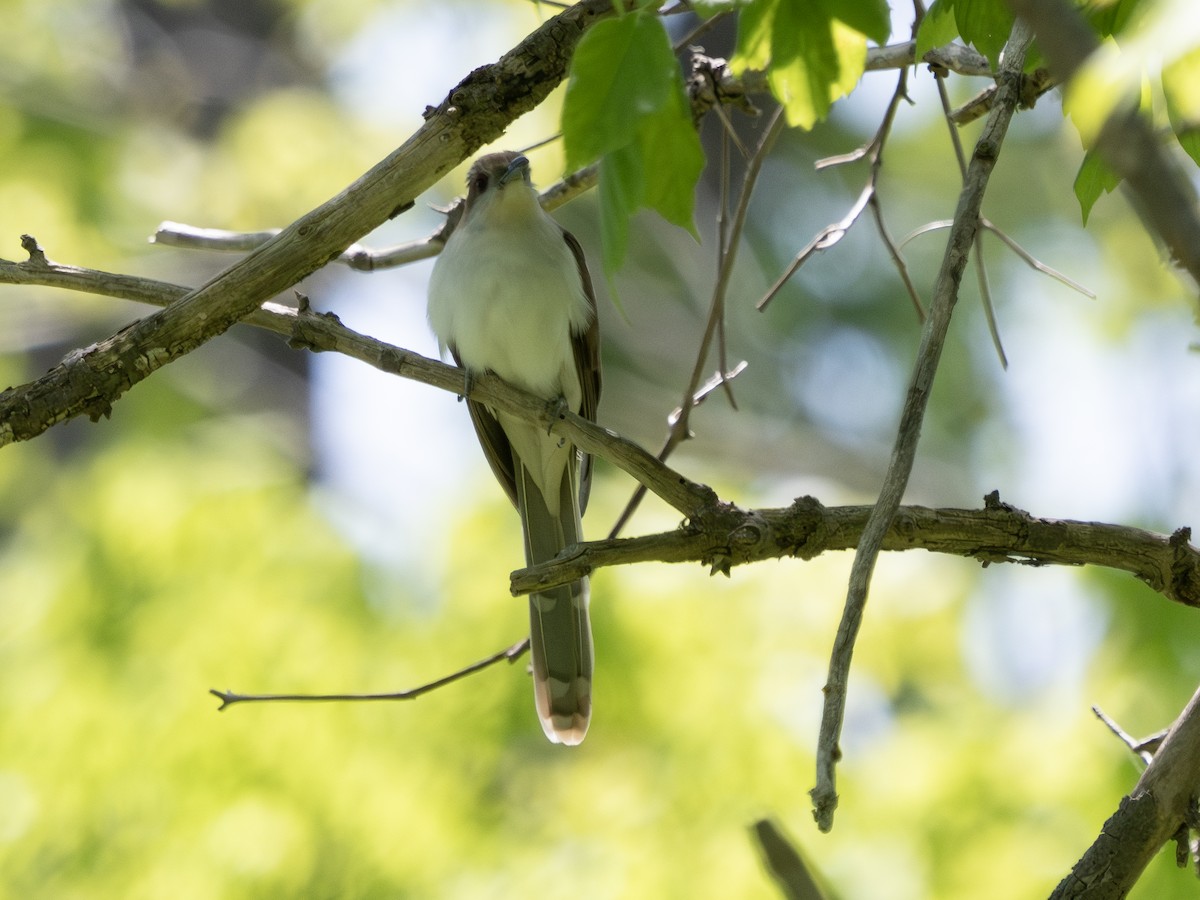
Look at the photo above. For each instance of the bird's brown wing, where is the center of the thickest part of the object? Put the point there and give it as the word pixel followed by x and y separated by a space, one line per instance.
pixel 493 440
pixel 587 365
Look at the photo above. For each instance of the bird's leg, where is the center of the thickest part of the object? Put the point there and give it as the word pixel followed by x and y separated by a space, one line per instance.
pixel 559 408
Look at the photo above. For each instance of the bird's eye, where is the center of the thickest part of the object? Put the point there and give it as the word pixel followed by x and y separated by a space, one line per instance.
pixel 480 182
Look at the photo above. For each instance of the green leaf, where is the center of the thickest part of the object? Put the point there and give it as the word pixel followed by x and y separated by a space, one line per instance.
pixel 754 36
pixel 811 54
pixel 1109 17
pixel 622 71
pixel 869 17
pixel 706 9
pixel 1181 88
pixel 626 106
pixel 986 24
pixel 1093 179
pixel 621 184
pixel 670 148
pixel 938 28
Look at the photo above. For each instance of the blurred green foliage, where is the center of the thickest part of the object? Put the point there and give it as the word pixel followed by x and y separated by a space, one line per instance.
pixel 184 545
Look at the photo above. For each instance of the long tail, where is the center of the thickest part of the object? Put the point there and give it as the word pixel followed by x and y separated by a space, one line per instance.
pixel 560 633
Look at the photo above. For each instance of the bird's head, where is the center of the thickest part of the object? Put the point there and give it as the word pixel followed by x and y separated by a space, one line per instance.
pixel 499 184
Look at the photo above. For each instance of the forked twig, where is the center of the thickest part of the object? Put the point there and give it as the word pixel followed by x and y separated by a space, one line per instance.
pixel 1024 255
pixel 869 196
pixel 1144 748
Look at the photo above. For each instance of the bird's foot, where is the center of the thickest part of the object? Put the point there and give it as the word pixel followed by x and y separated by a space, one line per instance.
pixel 558 411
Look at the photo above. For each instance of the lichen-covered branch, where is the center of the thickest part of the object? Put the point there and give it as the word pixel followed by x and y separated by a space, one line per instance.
pixel 1159 806
pixel 722 536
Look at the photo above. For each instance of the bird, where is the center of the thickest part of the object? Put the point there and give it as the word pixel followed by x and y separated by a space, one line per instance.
pixel 510 294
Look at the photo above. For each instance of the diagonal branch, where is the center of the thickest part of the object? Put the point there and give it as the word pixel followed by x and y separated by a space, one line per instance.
pixel 478 110
pixel 357 256
pixel 324 332
pixel 694 393
pixel 869 197
pixel 933 335
pixel 1160 804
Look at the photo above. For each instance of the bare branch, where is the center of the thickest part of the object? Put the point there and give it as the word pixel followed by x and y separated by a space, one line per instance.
pixel 1144 748
pixel 786 863
pixel 933 335
pixel 710 85
pixel 952 57
pixel 825 238
pixel 1033 85
pixel 1034 263
pixel 985 290
pixel 508 654
pixel 1000 533
pixel 1024 255
pixel 357 256
pixel 722 536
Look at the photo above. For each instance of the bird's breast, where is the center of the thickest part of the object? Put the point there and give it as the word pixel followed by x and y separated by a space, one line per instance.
pixel 509 300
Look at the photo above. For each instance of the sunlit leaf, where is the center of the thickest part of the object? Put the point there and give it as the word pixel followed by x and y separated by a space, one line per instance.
pixel 938 28
pixel 1109 17
pixel 811 54
pixel 1181 88
pixel 986 24
pixel 872 18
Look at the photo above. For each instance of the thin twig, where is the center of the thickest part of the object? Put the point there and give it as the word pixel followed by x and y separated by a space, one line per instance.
pixel 1138 747
pixel 719 379
pixel 678 429
pixel 933 336
pixel 833 233
pixel 889 116
pixel 825 238
pixel 1024 255
pixel 723 243
pixel 786 863
pixel 1034 263
pixel 954 57
pixel 985 291
pixel 1161 804
pixel 509 654
pixel 357 256
pixel 702 26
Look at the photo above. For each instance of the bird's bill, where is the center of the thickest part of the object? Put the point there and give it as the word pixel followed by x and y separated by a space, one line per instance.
pixel 519 166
